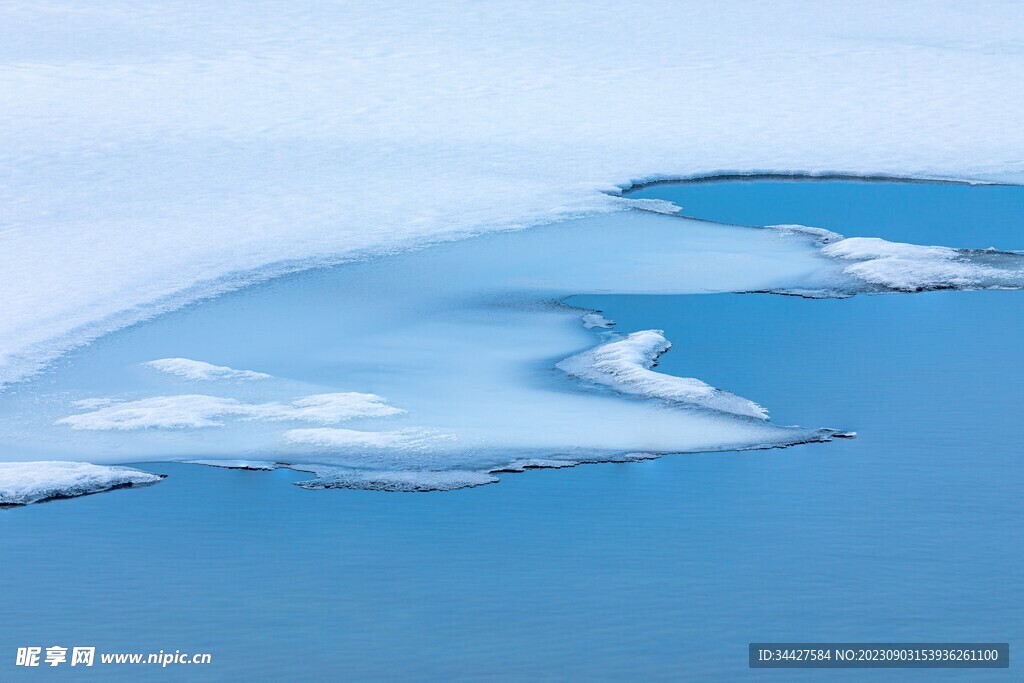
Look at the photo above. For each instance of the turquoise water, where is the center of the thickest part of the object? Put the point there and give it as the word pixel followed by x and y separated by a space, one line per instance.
pixel 661 570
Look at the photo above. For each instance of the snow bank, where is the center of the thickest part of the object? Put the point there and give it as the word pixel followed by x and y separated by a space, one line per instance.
pixel 625 365
pixel 22 483
pixel 202 371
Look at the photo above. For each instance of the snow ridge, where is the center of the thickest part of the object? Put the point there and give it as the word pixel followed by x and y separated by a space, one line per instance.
pixel 625 365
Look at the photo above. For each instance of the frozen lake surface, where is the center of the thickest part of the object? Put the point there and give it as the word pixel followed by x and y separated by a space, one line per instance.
pixel 430 369
pixel 645 571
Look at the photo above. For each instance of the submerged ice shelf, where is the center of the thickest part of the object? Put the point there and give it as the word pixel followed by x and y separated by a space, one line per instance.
pixel 441 368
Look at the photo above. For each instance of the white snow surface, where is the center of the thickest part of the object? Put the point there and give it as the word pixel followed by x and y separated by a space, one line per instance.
pixel 625 365
pixel 198 370
pixel 22 483
pixel 908 267
pixel 157 152
pixel 198 410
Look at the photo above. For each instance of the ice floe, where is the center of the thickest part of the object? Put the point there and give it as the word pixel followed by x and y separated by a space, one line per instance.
pixel 873 264
pixel 592 320
pixel 22 483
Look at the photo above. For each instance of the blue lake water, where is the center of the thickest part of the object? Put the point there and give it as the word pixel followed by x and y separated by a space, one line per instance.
pixel 660 570
pixel 947 214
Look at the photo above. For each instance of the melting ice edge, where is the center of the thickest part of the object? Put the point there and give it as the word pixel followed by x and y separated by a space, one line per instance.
pixel 494 314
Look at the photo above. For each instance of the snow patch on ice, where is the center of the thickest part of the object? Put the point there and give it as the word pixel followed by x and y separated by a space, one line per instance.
pixel 653 205
pixel 592 320
pixel 915 275
pixel 237 464
pixel 868 248
pixel 881 265
pixel 331 438
pixel 821 235
pixel 913 268
pixel 201 371
pixel 22 483
pixel 198 410
pixel 625 365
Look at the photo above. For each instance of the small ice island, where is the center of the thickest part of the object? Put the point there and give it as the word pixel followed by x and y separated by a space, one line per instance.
pixel 23 483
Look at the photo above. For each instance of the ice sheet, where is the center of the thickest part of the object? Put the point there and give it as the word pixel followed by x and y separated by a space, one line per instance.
pixel 455 362
pixel 156 153
pixel 443 363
